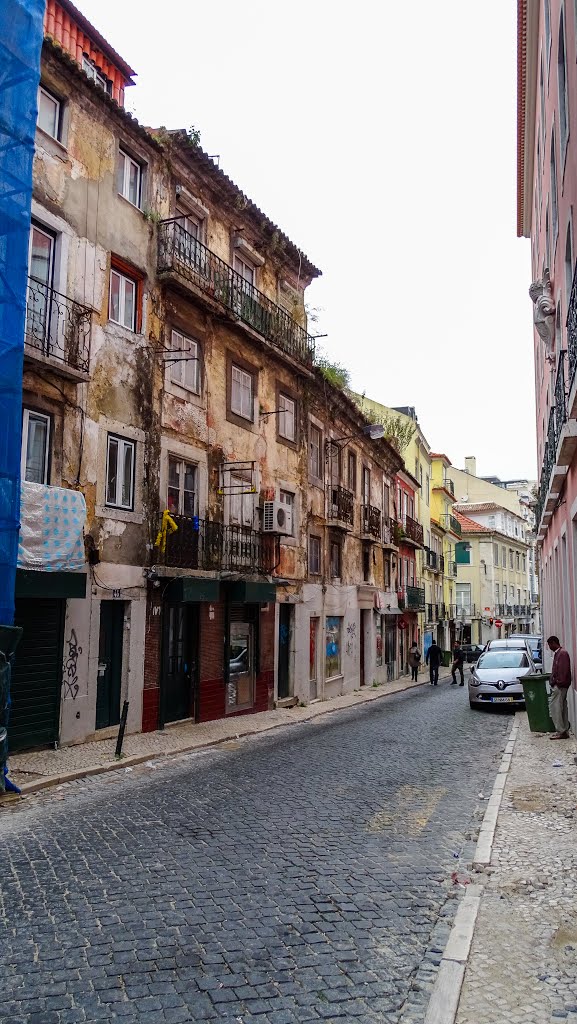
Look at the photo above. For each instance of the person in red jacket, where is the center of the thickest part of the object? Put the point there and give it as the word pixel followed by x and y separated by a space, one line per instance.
pixel 560 682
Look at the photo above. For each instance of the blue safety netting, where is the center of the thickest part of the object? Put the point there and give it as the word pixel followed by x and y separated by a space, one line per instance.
pixel 21 32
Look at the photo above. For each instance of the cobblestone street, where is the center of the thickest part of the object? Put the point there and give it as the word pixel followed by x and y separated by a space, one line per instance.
pixel 297 877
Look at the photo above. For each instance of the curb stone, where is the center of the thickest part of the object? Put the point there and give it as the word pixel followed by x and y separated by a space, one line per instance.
pixel 60 778
pixel 444 1001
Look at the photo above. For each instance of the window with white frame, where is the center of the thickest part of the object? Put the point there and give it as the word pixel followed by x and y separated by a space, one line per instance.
pixel 48 113
pixel 185 361
pixel 554 206
pixel 510 558
pixel 314 556
pixel 497 592
pixel 246 270
pixel 315 451
pixel 129 181
pixel 496 554
pixel 241 392
pixel 35 447
pixel 191 224
pixel 120 463
pixel 287 498
pixel 98 76
pixel 122 301
pixel 286 417
pixel 182 487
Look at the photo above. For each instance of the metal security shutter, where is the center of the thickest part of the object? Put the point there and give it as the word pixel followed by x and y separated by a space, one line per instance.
pixel 37 674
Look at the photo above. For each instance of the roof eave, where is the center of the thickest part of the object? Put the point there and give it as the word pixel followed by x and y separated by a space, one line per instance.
pixel 527 74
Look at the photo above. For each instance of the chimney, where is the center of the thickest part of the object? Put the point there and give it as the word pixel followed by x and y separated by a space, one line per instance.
pixel 471 465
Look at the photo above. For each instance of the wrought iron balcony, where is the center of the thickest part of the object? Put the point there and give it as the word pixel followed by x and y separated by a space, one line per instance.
pixel 442 563
pixel 341 505
pixel 452 568
pixel 416 598
pixel 431 559
pixel 454 525
pixel 572 333
pixel 181 253
pixel 412 530
pixel 449 485
pixel 555 453
pixel 371 521
pixel 206 545
pixel 433 612
pixel 57 327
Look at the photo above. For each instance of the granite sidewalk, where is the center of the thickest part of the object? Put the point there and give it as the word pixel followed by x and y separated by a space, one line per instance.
pixel 512 954
pixel 40 769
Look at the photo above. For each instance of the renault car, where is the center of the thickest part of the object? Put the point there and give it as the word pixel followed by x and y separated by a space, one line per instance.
pixel 495 679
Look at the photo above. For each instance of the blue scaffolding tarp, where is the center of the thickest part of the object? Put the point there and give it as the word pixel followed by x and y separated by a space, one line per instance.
pixel 21 29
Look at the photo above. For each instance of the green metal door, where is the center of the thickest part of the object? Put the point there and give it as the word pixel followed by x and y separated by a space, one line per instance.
pixel 109 664
pixel 37 674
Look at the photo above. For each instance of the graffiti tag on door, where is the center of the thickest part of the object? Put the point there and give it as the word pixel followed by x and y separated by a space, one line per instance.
pixel 71 685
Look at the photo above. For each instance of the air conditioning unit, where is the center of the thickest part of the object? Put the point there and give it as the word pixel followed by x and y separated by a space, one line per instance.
pixel 277 518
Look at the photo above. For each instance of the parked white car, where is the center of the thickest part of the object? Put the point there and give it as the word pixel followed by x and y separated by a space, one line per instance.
pixel 495 679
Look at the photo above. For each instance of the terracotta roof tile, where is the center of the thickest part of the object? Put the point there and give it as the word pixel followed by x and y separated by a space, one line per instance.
pixel 469 525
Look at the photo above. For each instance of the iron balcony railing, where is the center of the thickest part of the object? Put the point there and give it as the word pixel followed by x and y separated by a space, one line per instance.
pixel 434 612
pixel 416 598
pixel 341 504
pixel 431 559
pixel 371 520
pixel 572 333
pixel 182 253
pixel 57 326
pixel 203 544
pixel 557 420
pixel 412 529
pixel 454 525
pixel 449 485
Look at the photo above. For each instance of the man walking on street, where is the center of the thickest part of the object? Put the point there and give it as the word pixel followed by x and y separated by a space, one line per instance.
pixel 457 666
pixel 433 659
pixel 560 683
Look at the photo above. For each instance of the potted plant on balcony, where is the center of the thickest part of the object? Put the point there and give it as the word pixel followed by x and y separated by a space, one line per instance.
pixel 398 533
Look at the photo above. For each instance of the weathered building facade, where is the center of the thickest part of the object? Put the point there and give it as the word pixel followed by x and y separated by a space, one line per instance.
pixel 238 521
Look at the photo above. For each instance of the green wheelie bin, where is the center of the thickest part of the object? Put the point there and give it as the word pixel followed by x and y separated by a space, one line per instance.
pixel 537 701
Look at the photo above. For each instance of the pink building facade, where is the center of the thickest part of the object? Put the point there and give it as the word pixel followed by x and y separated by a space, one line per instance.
pixel 547 214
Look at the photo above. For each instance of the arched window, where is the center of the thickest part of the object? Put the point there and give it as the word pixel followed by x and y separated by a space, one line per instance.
pixel 562 81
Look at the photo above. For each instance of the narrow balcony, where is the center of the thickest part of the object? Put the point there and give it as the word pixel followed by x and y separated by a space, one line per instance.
pixel 431 560
pixel 442 563
pixel 454 525
pixel 412 532
pixel 449 485
pixel 341 507
pixel 182 256
pixel 205 545
pixel 416 598
pixel 561 441
pixel 57 332
pixel 371 521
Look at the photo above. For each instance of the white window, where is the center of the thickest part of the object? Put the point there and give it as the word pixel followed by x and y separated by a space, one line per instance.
pixel 315 454
pixel 463 597
pixel 241 498
pixel 129 178
pixel 35 447
pixel 185 367
pixel 562 81
pixel 241 400
pixel 287 417
pixel 496 554
pixel 554 208
pixel 120 472
pixel 246 271
pixel 122 304
pixel 181 493
pixel 48 113
pixel 191 224
pixel 89 67
pixel 287 498
pixel 314 556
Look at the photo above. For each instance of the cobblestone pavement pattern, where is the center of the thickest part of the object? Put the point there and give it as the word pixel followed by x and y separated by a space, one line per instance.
pixel 298 877
pixel 523 963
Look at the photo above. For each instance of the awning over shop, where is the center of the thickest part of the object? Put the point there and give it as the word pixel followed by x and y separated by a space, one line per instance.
pixel 30 583
pixel 190 589
pixel 246 592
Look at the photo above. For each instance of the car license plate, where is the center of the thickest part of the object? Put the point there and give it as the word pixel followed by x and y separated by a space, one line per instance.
pixel 501 700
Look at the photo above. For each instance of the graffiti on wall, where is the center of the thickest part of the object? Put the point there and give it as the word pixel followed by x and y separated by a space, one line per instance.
pixel 71 685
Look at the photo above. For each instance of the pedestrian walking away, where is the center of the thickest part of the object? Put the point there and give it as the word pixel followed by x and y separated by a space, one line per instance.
pixel 560 682
pixel 457 666
pixel 433 659
pixel 414 660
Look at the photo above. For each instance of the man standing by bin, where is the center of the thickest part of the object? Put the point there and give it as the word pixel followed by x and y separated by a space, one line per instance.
pixel 433 658
pixel 560 682
pixel 457 666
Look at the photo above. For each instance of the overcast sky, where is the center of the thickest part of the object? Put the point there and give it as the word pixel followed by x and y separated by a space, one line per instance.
pixel 381 139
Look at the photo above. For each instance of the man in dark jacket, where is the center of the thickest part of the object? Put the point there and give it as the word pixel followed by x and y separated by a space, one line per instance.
pixel 457 666
pixel 560 682
pixel 433 659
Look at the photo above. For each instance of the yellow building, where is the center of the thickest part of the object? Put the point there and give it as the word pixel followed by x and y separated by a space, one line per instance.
pixel 445 534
